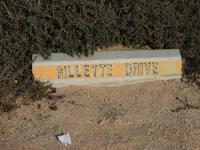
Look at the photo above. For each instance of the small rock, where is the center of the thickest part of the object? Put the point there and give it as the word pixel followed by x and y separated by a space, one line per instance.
pixel 39 106
pixel 53 106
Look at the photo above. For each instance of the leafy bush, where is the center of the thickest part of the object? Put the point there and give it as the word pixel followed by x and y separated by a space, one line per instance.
pixel 78 27
pixel 163 24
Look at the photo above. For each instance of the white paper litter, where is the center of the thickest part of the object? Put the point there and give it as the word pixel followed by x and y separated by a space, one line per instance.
pixel 65 139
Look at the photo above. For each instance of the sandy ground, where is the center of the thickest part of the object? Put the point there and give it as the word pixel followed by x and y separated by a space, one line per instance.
pixel 144 116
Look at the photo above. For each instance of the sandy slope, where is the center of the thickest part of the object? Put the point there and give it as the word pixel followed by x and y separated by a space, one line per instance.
pixel 135 117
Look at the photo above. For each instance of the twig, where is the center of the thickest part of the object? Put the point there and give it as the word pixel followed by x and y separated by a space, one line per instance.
pixel 186 105
pixel 9 13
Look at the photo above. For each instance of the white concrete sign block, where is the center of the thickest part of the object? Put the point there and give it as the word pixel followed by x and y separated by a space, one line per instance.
pixel 109 67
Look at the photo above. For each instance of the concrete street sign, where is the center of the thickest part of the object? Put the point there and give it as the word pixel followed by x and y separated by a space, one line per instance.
pixel 109 67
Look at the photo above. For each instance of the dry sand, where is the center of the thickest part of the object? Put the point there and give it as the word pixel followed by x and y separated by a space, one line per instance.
pixel 136 117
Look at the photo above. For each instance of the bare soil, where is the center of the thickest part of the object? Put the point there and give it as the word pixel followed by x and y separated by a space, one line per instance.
pixel 143 116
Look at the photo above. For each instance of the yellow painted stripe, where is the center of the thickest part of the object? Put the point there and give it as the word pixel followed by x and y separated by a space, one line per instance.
pixel 91 71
